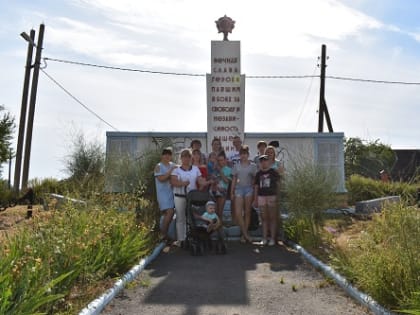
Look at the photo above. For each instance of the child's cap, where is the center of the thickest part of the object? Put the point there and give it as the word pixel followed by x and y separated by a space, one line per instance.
pixel 263 157
pixel 210 203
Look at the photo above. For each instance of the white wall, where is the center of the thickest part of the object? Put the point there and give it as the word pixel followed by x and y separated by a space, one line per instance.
pixel 326 149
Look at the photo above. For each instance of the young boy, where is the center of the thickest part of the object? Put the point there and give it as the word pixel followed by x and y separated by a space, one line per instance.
pixel 210 218
pixel 266 183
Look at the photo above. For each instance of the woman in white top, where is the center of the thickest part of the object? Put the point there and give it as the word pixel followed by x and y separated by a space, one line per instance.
pixel 184 179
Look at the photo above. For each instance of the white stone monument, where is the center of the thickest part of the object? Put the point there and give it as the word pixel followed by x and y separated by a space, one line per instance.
pixel 225 89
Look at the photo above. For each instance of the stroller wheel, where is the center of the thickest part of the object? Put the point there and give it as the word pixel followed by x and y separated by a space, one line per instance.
pixel 221 248
pixel 201 249
pixel 194 249
pixel 210 244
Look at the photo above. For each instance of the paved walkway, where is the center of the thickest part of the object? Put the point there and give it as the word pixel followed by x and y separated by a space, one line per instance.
pixel 249 280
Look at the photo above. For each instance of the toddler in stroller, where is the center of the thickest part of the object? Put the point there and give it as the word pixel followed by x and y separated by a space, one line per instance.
pixel 202 223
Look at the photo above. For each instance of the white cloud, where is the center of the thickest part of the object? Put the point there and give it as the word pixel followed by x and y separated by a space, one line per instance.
pixel 416 36
pixel 285 29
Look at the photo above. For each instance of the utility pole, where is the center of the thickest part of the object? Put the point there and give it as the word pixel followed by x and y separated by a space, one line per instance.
pixel 322 103
pixel 23 109
pixel 9 181
pixel 32 101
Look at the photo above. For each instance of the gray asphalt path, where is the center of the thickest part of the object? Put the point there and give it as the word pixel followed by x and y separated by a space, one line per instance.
pixel 249 280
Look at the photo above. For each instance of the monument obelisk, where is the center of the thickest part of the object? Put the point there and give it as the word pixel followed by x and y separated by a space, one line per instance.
pixel 225 89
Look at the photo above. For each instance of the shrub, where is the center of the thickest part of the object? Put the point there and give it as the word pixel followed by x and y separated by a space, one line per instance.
pixel 45 186
pixel 385 260
pixel 310 189
pixel 6 194
pixel 362 188
pixel 7 126
pixel 367 158
pixel 85 166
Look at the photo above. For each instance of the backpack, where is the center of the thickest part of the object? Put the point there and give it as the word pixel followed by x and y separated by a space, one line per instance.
pixel 255 221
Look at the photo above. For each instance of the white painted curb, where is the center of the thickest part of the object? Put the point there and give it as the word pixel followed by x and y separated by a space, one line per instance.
pixel 361 297
pixel 96 306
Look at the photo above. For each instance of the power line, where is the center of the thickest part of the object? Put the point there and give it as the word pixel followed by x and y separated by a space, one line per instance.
pixel 173 73
pixel 371 81
pixel 281 76
pixel 124 69
pixel 77 100
pixel 248 76
pixel 306 98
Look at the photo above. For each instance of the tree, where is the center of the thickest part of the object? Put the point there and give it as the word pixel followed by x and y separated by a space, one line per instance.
pixel 7 126
pixel 367 158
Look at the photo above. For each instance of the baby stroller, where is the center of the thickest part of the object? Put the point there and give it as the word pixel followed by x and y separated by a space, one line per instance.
pixel 198 237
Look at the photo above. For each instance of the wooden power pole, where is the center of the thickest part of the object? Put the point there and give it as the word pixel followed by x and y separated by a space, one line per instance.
pixel 31 113
pixel 23 109
pixel 322 103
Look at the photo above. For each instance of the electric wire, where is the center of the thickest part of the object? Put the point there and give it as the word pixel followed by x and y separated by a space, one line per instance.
pixel 371 80
pixel 173 73
pixel 306 98
pixel 124 69
pixel 77 100
pixel 248 76
pixel 281 76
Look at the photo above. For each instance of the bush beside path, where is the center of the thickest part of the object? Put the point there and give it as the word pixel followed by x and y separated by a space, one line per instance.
pixel 250 279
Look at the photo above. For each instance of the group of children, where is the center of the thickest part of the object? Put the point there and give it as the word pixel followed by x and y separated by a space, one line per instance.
pixel 246 182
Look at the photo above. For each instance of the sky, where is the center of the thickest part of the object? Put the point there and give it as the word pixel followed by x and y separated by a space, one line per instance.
pixel 365 39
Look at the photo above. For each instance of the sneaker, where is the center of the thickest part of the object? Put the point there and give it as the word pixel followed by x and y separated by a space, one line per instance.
pixel 177 243
pixel 271 243
pixel 263 242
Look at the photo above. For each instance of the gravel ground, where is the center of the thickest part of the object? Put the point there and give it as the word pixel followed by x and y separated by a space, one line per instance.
pixel 249 280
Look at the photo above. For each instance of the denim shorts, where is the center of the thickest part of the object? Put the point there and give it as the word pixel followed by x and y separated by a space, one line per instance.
pixel 244 191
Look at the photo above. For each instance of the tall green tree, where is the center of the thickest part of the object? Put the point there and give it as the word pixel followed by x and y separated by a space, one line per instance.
pixel 367 158
pixel 7 126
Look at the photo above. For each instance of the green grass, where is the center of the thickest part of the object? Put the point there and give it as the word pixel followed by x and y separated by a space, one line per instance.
pixel 65 253
pixel 362 188
pixel 385 260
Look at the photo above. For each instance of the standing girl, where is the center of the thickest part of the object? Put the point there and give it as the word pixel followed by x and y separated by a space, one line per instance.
pixel 275 164
pixel 243 191
pixel 164 192
pixel 266 187
pixel 224 178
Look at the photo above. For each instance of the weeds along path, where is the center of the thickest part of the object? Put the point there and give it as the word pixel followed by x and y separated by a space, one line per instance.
pixel 12 217
pixel 249 280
